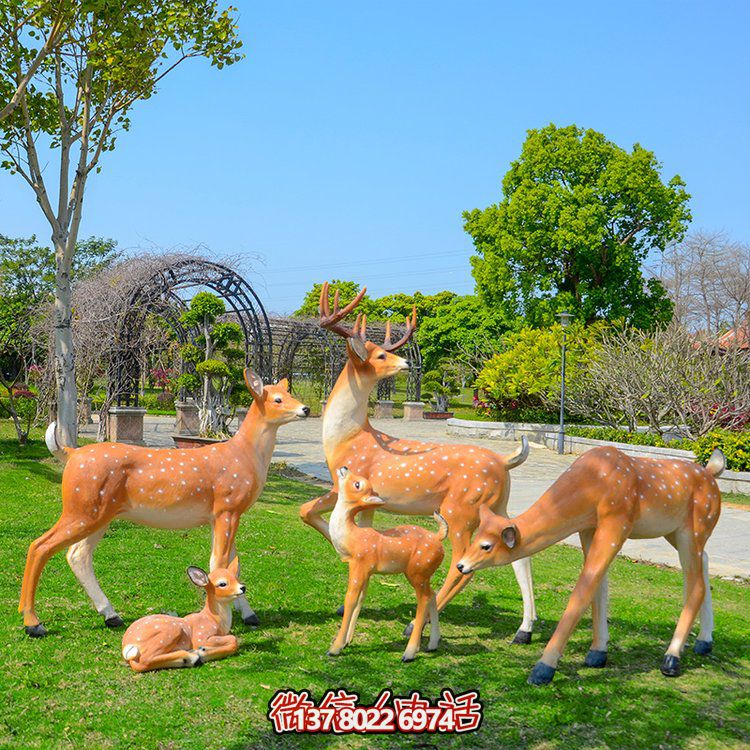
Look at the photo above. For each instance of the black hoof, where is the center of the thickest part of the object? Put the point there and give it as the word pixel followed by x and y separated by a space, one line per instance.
pixel 596 659
pixel 541 674
pixel 703 647
pixel 330 653
pixel 409 628
pixel 407 659
pixel 522 636
pixel 251 620
pixel 35 631
pixel 114 622
pixel 199 662
pixel 340 611
pixel 670 666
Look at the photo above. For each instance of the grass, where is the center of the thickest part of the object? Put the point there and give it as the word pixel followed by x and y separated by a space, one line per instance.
pixel 71 690
pixel 736 498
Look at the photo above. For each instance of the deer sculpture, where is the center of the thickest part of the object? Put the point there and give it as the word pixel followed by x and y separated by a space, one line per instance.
pixel 407 549
pixel 607 497
pixel 167 642
pixel 164 488
pixel 412 477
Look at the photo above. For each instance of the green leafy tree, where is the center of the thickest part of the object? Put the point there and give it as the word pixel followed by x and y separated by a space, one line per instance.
pixel 524 377
pixel 576 221
pixel 441 383
pixel 98 59
pixel 218 362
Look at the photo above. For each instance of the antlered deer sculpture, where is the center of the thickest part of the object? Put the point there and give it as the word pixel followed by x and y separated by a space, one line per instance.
pixel 165 488
pixel 412 477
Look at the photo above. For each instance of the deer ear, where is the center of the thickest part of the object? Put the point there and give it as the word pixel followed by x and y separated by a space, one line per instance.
pixel 509 535
pixel 358 348
pixel 283 383
pixel 234 566
pixel 254 384
pixel 342 472
pixel 198 576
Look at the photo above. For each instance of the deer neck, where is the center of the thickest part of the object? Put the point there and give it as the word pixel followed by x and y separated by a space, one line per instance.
pixel 257 436
pixel 342 528
pixel 346 410
pixel 220 615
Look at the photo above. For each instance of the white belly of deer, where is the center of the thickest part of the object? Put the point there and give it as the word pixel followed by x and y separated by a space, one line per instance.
pixel 181 516
pixel 654 523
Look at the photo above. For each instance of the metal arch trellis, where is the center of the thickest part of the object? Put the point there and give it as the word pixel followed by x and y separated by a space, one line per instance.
pixel 158 294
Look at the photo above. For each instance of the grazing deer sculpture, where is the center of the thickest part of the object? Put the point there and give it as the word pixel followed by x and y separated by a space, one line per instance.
pixel 412 477
pixel 607 497
pixel 407 549
pixel 165 488
pixel 167 642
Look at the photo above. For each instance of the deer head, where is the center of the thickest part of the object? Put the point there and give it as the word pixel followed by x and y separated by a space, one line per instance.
pixel 369 358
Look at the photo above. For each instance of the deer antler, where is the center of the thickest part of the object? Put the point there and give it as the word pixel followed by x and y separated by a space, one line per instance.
pixel 411 326
pixel 331 321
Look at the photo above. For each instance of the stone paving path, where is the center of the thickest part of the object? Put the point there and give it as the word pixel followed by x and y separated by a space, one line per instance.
pixel 299 445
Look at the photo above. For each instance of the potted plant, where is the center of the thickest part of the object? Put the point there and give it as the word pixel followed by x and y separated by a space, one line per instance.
pixel 439 384
pixel 217 362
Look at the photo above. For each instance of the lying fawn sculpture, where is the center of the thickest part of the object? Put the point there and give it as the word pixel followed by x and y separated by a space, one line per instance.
pixel 411 550
pixel 165 488
pixel 412 477
pixel 607 497
pixel 166 642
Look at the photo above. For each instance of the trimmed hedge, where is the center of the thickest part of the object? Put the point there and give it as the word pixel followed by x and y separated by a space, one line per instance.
pixel 734 445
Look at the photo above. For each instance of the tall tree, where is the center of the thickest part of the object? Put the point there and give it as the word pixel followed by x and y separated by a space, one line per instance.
pixel 578 217
pixel 105 58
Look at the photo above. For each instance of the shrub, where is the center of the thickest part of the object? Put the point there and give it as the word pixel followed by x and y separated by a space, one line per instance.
pixel 734 445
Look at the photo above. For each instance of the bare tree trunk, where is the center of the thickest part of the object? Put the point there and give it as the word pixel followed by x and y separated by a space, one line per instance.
pixel 65 373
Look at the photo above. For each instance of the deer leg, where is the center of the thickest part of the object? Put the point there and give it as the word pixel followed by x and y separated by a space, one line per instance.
pixel 312 513
pixel 240 603
pixel 224 527
pixel 357 581
pixel 522 571
pixel 355 614
pixel 424 596
pixel 605 544
pixel 597 655
pixel 68 530
pixel 705 643
pixel 171 660
pixel 434 624
pixel 691 560
pixel 81 560
pixel 218 647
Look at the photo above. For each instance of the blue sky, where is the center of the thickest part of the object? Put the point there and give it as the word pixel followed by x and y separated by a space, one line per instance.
pixel 352 136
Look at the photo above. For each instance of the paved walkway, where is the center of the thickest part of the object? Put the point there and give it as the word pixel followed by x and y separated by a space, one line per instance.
pixel 299 445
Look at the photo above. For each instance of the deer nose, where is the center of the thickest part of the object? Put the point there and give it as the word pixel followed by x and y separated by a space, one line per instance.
pixel 460 567
pixel 306 411
pixel 242 588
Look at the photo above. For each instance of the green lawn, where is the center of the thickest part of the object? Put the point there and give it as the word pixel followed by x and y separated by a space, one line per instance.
pixel 735 497
pixel 71 689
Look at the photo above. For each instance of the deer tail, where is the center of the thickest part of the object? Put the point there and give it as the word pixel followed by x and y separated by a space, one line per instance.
pixel 59 452
pixel 717 463
pixel 442 526
pixel 130 652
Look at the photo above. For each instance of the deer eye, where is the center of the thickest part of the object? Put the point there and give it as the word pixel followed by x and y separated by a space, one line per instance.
pixel 486 546
pixel 278 400
pixel 356 485
pixel 382 356
pixel 222 584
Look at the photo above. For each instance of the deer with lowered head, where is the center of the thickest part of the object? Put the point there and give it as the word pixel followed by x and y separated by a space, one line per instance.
pixel 411 477
pixel 163 488
pixel 167 642
pixel 607 497
pixel 408 549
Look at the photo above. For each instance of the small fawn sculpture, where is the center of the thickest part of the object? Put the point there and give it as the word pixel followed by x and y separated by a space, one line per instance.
pixel 166 642
pixel 160 487
pixel 607 497
pixel 411 550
